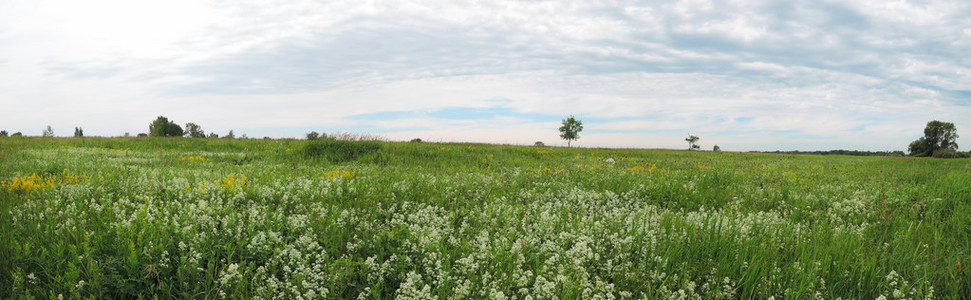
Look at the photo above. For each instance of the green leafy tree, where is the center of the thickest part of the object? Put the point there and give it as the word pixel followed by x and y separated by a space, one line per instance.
pixel 162 127
pixel 570 130
pixel 49 131
pixel 230 135
pixel 193 130
pixel 78 132
pixel 693 142
pixel 716 148
pixel 17 134
pixel 313 135
pixel 3 133
pixel 939 137
pixel 213 135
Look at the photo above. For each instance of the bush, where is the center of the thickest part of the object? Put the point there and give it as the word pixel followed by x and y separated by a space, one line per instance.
pixel 946 153
pixel 340 151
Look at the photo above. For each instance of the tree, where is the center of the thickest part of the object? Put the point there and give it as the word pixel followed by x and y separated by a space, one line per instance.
pixel 213 135
pixel 571 129
pixel 49 131
pixel 194 131
pixel 78 132
pixel 17 134
pixel 539 144
pixel 3 133
pixel 716 148
pixel 162 127
pixel 230 135
pixel 313 135
pixel 692 142
pixel 939 137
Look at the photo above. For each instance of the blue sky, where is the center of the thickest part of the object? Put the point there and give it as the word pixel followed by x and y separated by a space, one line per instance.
pixel 745 75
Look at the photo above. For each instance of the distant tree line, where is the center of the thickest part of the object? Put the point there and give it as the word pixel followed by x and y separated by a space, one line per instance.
pixel 939 138
pixel 838 152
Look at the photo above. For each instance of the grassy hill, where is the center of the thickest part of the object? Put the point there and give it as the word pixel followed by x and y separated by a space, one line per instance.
pixel 145 217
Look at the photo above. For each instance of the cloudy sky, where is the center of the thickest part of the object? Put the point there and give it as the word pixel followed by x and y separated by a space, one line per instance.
pixel 745 75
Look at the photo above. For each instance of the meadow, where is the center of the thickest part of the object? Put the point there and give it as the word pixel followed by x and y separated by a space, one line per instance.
pixel 290 219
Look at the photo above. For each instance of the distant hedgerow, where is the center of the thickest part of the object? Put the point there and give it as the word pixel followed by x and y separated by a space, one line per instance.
pixel 339 150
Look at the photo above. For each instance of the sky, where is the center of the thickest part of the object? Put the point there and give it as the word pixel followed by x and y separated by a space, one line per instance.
pixel 744 75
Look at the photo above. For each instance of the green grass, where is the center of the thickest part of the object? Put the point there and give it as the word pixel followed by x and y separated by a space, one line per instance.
pixel 202 218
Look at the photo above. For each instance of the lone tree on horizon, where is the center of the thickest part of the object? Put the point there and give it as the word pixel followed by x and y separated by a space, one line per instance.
pixel 193 130
pixel 162 127
pixel 692 142
pixel 571 129
pixel 938 139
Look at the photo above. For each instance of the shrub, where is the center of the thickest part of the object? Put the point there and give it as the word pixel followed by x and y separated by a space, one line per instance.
pixel 416 140
pixel 340 151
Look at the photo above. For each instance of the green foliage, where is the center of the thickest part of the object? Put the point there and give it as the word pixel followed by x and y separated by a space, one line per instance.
pixel 230 135
pixel 339 150
pixel 716 148
pixel 539 144
pixel 3 133
pixel 49 132
pixel 313 135
pixel 939 140
pixel 194 131
pixel 162 127
pixel 415 140
pixel 570 130
pixel 17 134
pixel 78 132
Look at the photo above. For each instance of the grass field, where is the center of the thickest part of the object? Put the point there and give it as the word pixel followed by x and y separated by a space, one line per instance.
pixel 201 218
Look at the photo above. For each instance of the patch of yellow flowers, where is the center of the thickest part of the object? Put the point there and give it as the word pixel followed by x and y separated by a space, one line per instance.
pixel 340 174
pixel 231 182
pixel 191 159
pixel 636 169
pixel 35 182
